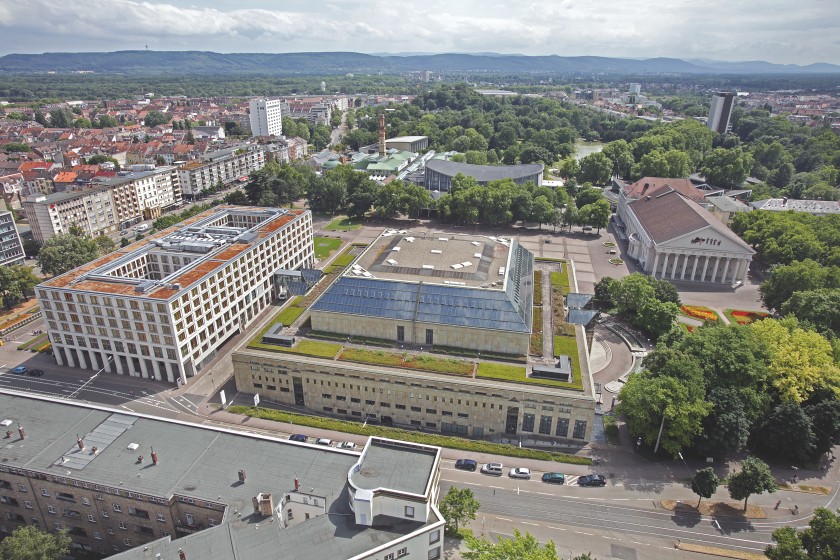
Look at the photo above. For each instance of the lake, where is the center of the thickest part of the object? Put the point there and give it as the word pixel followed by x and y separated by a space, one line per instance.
pixel 583 149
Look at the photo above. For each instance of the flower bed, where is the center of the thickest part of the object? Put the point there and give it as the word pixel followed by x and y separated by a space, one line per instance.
pixel 739 317
pixel 616 262
pixel 609 244
pixel 700 312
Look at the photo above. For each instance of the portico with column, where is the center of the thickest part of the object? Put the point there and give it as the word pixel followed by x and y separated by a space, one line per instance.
pixel 674 238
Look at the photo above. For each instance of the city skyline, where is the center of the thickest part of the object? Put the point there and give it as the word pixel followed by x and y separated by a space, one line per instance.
pixel 778 32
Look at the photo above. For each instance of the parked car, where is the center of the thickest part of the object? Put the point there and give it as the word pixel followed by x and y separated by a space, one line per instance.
pixel 592 480
pixel 298 437
pixel 466 464
pixel 347 445
pixel 520 472
pixel 20 370
pixel 554 478
pixel 35 372
pixel 492 468
pixel 323 441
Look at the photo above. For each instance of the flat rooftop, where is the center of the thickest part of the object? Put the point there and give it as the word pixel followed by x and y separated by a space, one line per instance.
pixel 461 260
pixel 396 465
pixel 203 463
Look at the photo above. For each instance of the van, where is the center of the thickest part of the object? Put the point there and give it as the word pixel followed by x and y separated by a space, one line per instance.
pixel 611 252
pixel 141 227
pixel 494 469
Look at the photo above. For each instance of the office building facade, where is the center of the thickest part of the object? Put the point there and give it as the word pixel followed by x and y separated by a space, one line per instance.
pixel 11 247
pixel 720 112
pixel 162 307
pixel 223 166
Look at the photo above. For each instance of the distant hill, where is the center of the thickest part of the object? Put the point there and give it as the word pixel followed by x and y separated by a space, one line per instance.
pixel 326 63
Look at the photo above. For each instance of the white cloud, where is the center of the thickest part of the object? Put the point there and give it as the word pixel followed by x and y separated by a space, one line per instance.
pixel 804 31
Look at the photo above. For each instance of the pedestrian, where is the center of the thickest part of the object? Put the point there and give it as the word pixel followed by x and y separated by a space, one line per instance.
pixel 795 478
pixel 796 510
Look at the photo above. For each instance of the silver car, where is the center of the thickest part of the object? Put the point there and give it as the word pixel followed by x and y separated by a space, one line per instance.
pixel 520 472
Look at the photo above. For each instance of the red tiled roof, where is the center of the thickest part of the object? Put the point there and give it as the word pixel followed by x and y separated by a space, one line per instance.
pixel 646 185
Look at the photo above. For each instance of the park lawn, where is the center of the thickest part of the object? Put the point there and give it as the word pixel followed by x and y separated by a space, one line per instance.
pixel 476 446
pixel 324 246
pixel 410 361
pixel 741 317
pixel 343 223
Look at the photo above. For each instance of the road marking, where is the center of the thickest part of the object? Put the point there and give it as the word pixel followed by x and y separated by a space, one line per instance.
pixel 594 498
pixel 496 487
pixel 503 519
pixel 556 528
pixel 125 407
pixel 582 533
pixel 534 524
pixel 620 499
pixel 470 483
pixel 544 494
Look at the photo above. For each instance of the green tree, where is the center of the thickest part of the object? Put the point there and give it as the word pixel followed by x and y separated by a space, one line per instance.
pixel 818 308
pixel 705 483
pixel 798 276
pixel 82 122
pixel 596 169
pixel 66 251
pixel 727 168
pixel 650 402
pixel 458 507
pixel 820 541
pixel 825 420
pixel 40 118
pixel 727 427
pixel 596 214
pixel 753 478
pixel 620 154
pixel 568 168
pixel 788 433
pixel 106 121
pixel 237 198
pixel 124 242
pixel 105 244
pixel 415 200
pixel 101 158
pixel 29 543
pixel 155 118
pixel 520 547
pixel 388 200
pixel 10 289
pixel 61 118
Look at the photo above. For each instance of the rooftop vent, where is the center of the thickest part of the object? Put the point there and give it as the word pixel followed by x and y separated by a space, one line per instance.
pixel 263 504
pixel 133 446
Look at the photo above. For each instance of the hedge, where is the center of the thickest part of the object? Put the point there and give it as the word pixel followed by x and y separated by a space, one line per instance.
pixel 450 442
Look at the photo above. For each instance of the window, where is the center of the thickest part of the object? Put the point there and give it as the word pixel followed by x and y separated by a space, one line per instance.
pixel 434 536
pixel 580 429
pixel 45 492
pixel 545 424
pixel 97 535
pixel 562 429
pixel 110 531
pixel 85 501
pixel 127 542
pixel 123 525
pixel 50 509
pixel 409 511
pixel 402 552
pixel 401 334
pixel 527 422
pixel 430 337
pixel 389 556
pixel 160 517
pixel 28 504
pixel 91 518
pixel 104 513
pixel 117 507
pixel 212 522
pixel 434 554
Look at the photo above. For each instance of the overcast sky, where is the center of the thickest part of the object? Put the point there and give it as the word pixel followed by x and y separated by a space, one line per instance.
pixel 782 31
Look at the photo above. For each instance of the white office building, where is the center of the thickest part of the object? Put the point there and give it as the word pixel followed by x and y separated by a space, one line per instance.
pixel 720 111
pixel 161 309
pixel 266 117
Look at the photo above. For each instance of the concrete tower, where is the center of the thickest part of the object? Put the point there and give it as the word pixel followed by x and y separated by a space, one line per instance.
pixel 382 151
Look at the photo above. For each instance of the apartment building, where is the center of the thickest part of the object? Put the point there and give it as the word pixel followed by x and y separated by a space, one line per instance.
pixel 138 487
pixel 11 247
pixel 92 209
pixel 223 166
pixel 266 117
pixel 144 193
pixel 162 307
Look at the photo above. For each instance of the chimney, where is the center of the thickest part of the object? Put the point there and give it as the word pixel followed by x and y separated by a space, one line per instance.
pixel 382 135
pixel 21 432
pixel 154 457
pixel 242 476
pixel 181 554
pixel 80 442
pixel 297 484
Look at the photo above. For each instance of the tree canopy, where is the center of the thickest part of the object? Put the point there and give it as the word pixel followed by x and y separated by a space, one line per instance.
pixel 820 541
pixel 66 251
pixel 520 547
pixel 29 543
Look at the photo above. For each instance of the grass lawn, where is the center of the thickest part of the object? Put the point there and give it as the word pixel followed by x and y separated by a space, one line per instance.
pixel 567 346
pixel 538 300
pixel 410 361
pixel 343 223
pixel 324 246
pixel 517 374
pixel 740 317
pixel 560 281
pixel 314 348
pixel 451 442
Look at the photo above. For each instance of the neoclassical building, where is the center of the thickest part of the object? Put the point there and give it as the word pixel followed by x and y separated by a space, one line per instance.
pixel 674 237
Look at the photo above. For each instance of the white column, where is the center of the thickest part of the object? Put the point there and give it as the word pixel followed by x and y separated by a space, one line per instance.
pixel 118 361
pixel 694 267
pixel 57 355
pixel 143 370
pixel 82 362
pixel 665 265
pixel 157 370
pixel 725 270
pixel 655 261
pixel 746 268
pixel 705 266
pixel 685 264
pixel 108 361
pixel 674 267
pixel 715 269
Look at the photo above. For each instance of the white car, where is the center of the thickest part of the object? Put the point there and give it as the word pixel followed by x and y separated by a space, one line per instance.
pixel 347 445
pixel 492 468
pixel 520 472
pixel 323 441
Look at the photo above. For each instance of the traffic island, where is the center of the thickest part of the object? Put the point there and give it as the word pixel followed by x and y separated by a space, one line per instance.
pixel 717 509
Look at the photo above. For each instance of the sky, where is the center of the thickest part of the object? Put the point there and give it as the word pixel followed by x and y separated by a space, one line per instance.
pixel 780 31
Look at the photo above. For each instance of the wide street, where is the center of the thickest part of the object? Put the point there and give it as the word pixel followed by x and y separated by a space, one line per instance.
pixel 625 520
